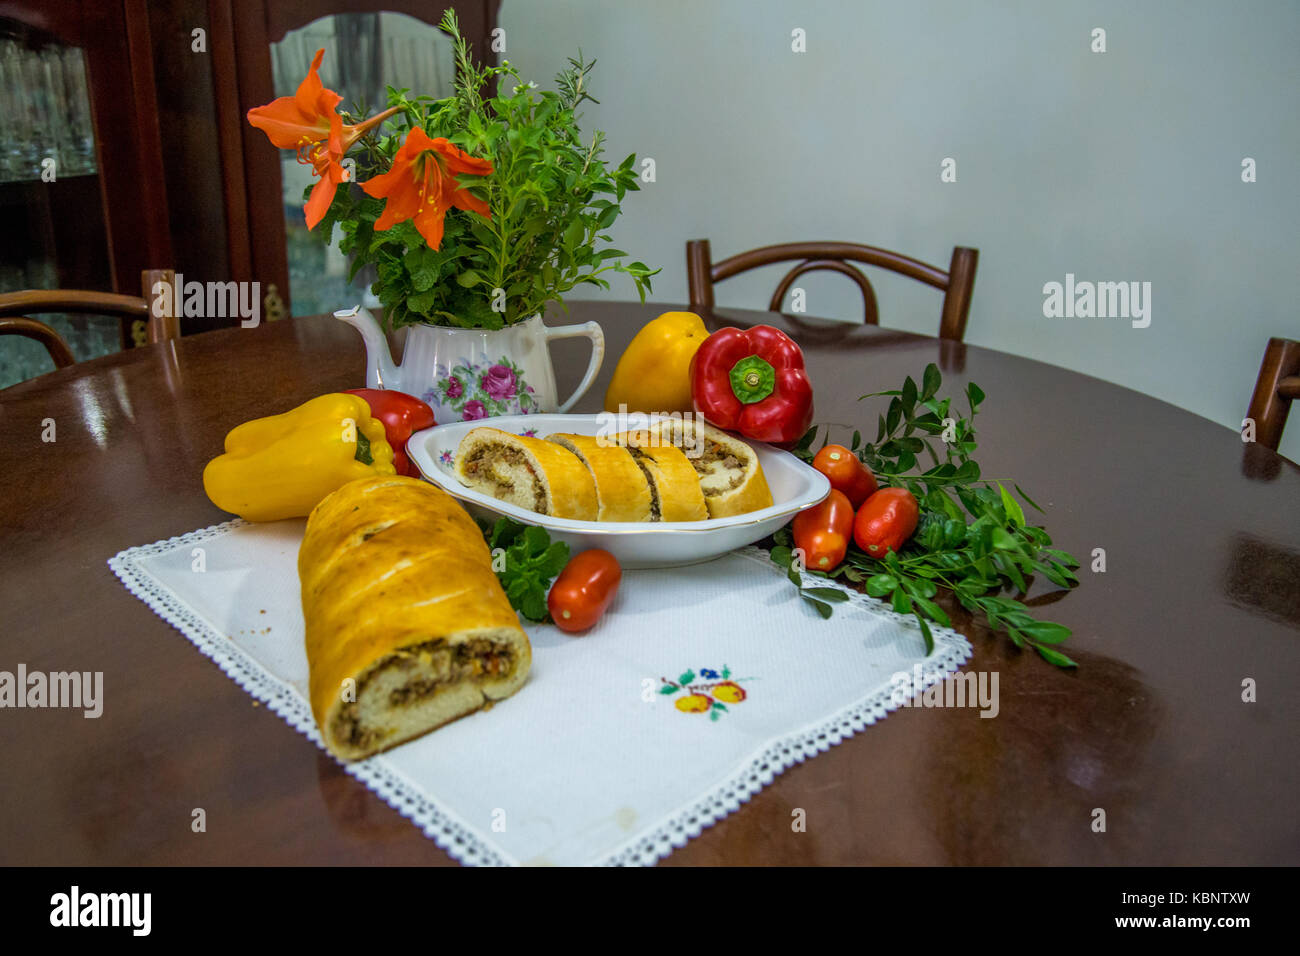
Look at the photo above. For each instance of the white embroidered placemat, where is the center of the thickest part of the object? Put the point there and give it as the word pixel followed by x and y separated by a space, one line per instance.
pixel 698 686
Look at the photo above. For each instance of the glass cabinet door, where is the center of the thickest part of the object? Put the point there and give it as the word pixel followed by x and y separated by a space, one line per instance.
pixel 51 198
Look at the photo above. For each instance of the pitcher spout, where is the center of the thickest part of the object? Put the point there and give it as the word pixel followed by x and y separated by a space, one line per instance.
pixel 380 370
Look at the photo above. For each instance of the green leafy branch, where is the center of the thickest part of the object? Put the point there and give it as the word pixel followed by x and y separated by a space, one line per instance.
pixel 972 539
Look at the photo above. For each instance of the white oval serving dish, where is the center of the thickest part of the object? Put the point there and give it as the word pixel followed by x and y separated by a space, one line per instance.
pixel 795 486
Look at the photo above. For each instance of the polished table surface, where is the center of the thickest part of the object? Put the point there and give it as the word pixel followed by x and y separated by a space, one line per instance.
pixel 1201 593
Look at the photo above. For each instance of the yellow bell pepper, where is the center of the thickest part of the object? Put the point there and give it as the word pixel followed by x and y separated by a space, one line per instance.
pixel 284 465
pixel 654 373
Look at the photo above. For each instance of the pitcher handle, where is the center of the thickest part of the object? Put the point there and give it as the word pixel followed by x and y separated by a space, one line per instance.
pixel 589 330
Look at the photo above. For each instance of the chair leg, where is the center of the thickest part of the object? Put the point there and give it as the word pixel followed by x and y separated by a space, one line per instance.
pixel 161 327
pixel 1274 390
pixel 961 287
pixel 699 273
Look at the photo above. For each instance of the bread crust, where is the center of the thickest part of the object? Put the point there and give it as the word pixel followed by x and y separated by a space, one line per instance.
pixel 622 489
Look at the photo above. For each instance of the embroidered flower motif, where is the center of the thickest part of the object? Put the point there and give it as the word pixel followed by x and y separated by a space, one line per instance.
pixel 707 698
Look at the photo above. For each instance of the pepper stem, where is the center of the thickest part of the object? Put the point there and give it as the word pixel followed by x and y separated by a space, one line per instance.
pixel 752 379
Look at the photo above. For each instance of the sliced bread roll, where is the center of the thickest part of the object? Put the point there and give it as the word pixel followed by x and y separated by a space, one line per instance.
pixel 407 626
pixel 538 475
pixel 730 474
pixel 675 493
pixel 622 489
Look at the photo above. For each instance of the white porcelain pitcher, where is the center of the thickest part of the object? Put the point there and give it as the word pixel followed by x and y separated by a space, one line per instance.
pixel 466 374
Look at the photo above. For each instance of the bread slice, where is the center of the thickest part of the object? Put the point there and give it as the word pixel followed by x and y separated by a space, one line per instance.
pixel 622 488
pixel 536 475
pixel 407 626
pixel 731 477
pixel 675 493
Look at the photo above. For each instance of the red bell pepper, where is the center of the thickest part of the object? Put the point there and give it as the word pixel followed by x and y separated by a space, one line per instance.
pixel 402 415
pixel 753 382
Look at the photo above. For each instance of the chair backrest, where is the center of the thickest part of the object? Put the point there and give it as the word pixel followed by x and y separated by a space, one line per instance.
pixel 957 284
pixel 139 321
pixel 1277 386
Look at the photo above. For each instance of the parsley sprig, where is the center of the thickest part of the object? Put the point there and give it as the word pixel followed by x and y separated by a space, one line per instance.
pixel 532 560
pixel 973 538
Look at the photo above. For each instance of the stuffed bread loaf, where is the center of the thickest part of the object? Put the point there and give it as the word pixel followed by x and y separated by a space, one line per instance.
pixel 622 488
pixel 731 477
pixel 528 472
pixel 407 626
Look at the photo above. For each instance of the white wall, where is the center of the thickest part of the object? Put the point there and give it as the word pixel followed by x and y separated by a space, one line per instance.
pixel 1117 166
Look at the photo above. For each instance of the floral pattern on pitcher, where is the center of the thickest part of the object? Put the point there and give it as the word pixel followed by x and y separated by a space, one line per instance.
pixel 482 391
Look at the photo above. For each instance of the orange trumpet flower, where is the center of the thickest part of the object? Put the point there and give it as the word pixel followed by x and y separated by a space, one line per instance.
pixel 308 122
pixel 422 185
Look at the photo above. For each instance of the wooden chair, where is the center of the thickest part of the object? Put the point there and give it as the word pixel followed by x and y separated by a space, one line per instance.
pixel 957 283
pixel 1277 386
pixel 137 319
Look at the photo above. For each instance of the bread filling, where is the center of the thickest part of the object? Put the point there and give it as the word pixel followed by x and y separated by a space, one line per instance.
pixel 641 459
pixel 720 471
pixel 504 472
pixel 410 676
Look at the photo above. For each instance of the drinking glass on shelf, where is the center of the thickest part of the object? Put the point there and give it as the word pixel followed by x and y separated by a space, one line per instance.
pixel 80 130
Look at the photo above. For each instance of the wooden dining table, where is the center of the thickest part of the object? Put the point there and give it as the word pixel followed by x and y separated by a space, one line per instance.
pixel 1180 721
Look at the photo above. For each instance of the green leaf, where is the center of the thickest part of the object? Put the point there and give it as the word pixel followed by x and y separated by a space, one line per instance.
pixel 1004 541
pixel 902 603
pixel 686 678
pixel 893 415
pixel 1046 631
pixel 820 607
pixel 669 689
pixel 932 610
pixel 923 588
pixel 833 595
pixel 975 395
pixel 1015 514
pixel 925 633
pixel 1021 492
pixel 1053 656
pixel 909 396
pixel 930 381
pixel 1064 557
pixel 533 605
pixel 536 540
pixel 881 584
